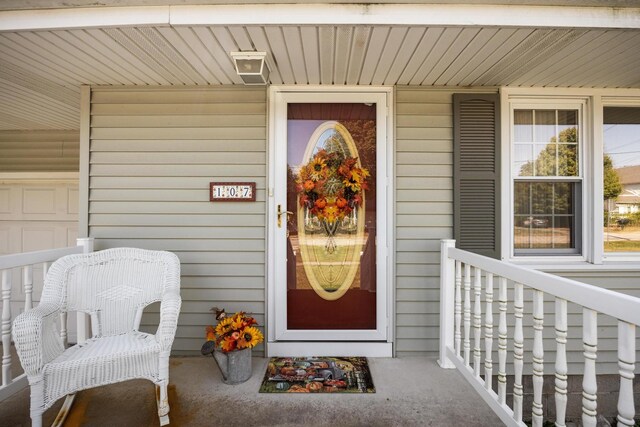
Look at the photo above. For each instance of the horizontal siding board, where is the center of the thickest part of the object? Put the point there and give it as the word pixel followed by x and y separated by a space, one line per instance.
pixel 235 107
pixel 421 170
pixel 118 232
pixel 178 220
pixel 176 207
pixel 419 121
pixel 230 171
pixel 424 109
pixel 223 132
pixel 424 208
pixel 425 146
pixel 425 133
pixel 177 145
pixel 157 121
pixel 179 158
pixel 175 245
pixel 414 195
pixel 173 96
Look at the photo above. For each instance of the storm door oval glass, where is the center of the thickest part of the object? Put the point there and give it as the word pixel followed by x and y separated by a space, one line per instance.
pixel 331 270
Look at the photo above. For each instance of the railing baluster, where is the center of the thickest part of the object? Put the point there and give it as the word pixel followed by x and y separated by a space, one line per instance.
pixel 477 321
pixel 488 334
pixel 45 268
pixel 6 327
pixel 458 307
pixel 627 365
pixel 538 357
pixel 467 313
pixel 589 384
pixel 502 342
pixel 518 351
pixel 561 362
pixel 27 282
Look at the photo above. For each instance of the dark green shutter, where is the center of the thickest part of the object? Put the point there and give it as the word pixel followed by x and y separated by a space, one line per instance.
pixel 476 173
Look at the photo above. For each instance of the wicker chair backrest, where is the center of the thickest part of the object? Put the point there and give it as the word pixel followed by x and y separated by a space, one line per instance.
pixel 113 285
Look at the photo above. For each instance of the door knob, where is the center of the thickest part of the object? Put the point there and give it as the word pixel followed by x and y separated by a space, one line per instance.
pixel 280 213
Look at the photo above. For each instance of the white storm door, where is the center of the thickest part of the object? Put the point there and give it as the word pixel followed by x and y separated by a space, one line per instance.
pixel 329 215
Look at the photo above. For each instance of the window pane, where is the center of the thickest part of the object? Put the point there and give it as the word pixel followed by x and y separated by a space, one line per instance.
pixel 545 126
pixel 567 160
pixel 563 200
pixel 546 158
pixel 523 125
pixel 549 222
pixel 554 148
pixel 541 197
pixel 523 161
pixel 621 179
pixel 568 125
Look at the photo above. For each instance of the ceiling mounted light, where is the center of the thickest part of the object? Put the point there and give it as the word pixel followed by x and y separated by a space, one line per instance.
pixel 251 67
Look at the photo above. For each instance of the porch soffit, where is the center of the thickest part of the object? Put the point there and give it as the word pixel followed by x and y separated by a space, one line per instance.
pixel 41 70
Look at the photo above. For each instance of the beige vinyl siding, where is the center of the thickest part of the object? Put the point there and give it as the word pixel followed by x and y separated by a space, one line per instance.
pixel 153 153
pixel 424 213
pixel 39 151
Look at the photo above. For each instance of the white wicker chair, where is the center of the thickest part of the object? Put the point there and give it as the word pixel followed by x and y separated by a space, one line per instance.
pixel 113 287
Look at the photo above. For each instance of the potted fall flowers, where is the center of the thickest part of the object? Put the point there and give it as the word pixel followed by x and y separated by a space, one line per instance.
pixel 230 342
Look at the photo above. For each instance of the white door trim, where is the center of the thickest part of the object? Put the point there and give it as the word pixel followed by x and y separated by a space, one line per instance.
pixel 276 300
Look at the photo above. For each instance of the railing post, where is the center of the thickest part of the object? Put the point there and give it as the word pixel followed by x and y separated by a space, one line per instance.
pixel 6 327
pixel 502 342
pixel 626 364
pixel 538 357
pixel 82 319
pixel 447 301
pixel 518 351
pixel 589 382
pixel 488 334
pixel 477 320
pixel 87 244
pixel 561 362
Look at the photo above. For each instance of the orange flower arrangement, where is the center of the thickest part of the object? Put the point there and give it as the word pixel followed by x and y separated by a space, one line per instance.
pixel 235 333
pixel 330 185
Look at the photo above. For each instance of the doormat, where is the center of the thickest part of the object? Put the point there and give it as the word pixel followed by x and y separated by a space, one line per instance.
pixel 317 375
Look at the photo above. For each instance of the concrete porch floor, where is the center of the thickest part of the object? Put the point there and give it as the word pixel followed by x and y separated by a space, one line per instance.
pixel 409 392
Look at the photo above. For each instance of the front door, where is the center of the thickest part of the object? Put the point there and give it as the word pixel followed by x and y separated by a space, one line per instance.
pixel 329 227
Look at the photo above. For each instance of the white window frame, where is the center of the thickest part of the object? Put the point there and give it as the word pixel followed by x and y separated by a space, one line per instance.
pixel 599 253
pixel 592 150
pixel 547 104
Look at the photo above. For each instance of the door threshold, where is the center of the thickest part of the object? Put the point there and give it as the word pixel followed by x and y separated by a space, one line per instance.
pixel 316 348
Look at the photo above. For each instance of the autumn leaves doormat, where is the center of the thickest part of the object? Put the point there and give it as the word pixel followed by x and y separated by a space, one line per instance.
pixel 317 375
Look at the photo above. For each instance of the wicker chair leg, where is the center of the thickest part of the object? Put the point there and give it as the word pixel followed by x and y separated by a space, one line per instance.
pixel 163 403
pixel 37 402
pixel 64 410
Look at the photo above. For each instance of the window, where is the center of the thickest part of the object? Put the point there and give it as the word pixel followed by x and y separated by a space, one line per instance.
pixel 571 176
pixel 547 181
pixel 621 179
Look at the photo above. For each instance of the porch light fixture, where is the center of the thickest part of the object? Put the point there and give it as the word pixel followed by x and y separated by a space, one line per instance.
pixel 251 67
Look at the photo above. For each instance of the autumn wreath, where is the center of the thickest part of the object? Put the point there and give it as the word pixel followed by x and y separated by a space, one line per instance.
pixel 330 186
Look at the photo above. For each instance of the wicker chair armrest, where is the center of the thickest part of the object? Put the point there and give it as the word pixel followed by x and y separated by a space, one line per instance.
pixel 36 336
pixel 169 312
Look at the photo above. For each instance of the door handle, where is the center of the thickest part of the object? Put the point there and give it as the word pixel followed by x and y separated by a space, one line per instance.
pixel 280 213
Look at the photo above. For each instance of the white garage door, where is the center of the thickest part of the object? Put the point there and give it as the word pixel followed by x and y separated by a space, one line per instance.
pixel 36 215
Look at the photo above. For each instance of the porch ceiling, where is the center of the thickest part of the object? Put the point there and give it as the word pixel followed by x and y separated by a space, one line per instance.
pixel 41 71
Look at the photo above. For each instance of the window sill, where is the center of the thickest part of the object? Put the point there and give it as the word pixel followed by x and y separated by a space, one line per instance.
pixel 578 266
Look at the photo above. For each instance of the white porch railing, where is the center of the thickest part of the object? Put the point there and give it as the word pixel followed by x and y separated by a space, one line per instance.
pixel 458 323
pixel 26 261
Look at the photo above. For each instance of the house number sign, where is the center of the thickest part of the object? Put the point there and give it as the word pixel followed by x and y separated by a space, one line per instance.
pixel 232 191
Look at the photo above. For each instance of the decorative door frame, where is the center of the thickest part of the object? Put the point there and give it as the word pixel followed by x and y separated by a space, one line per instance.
pixel 373 343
